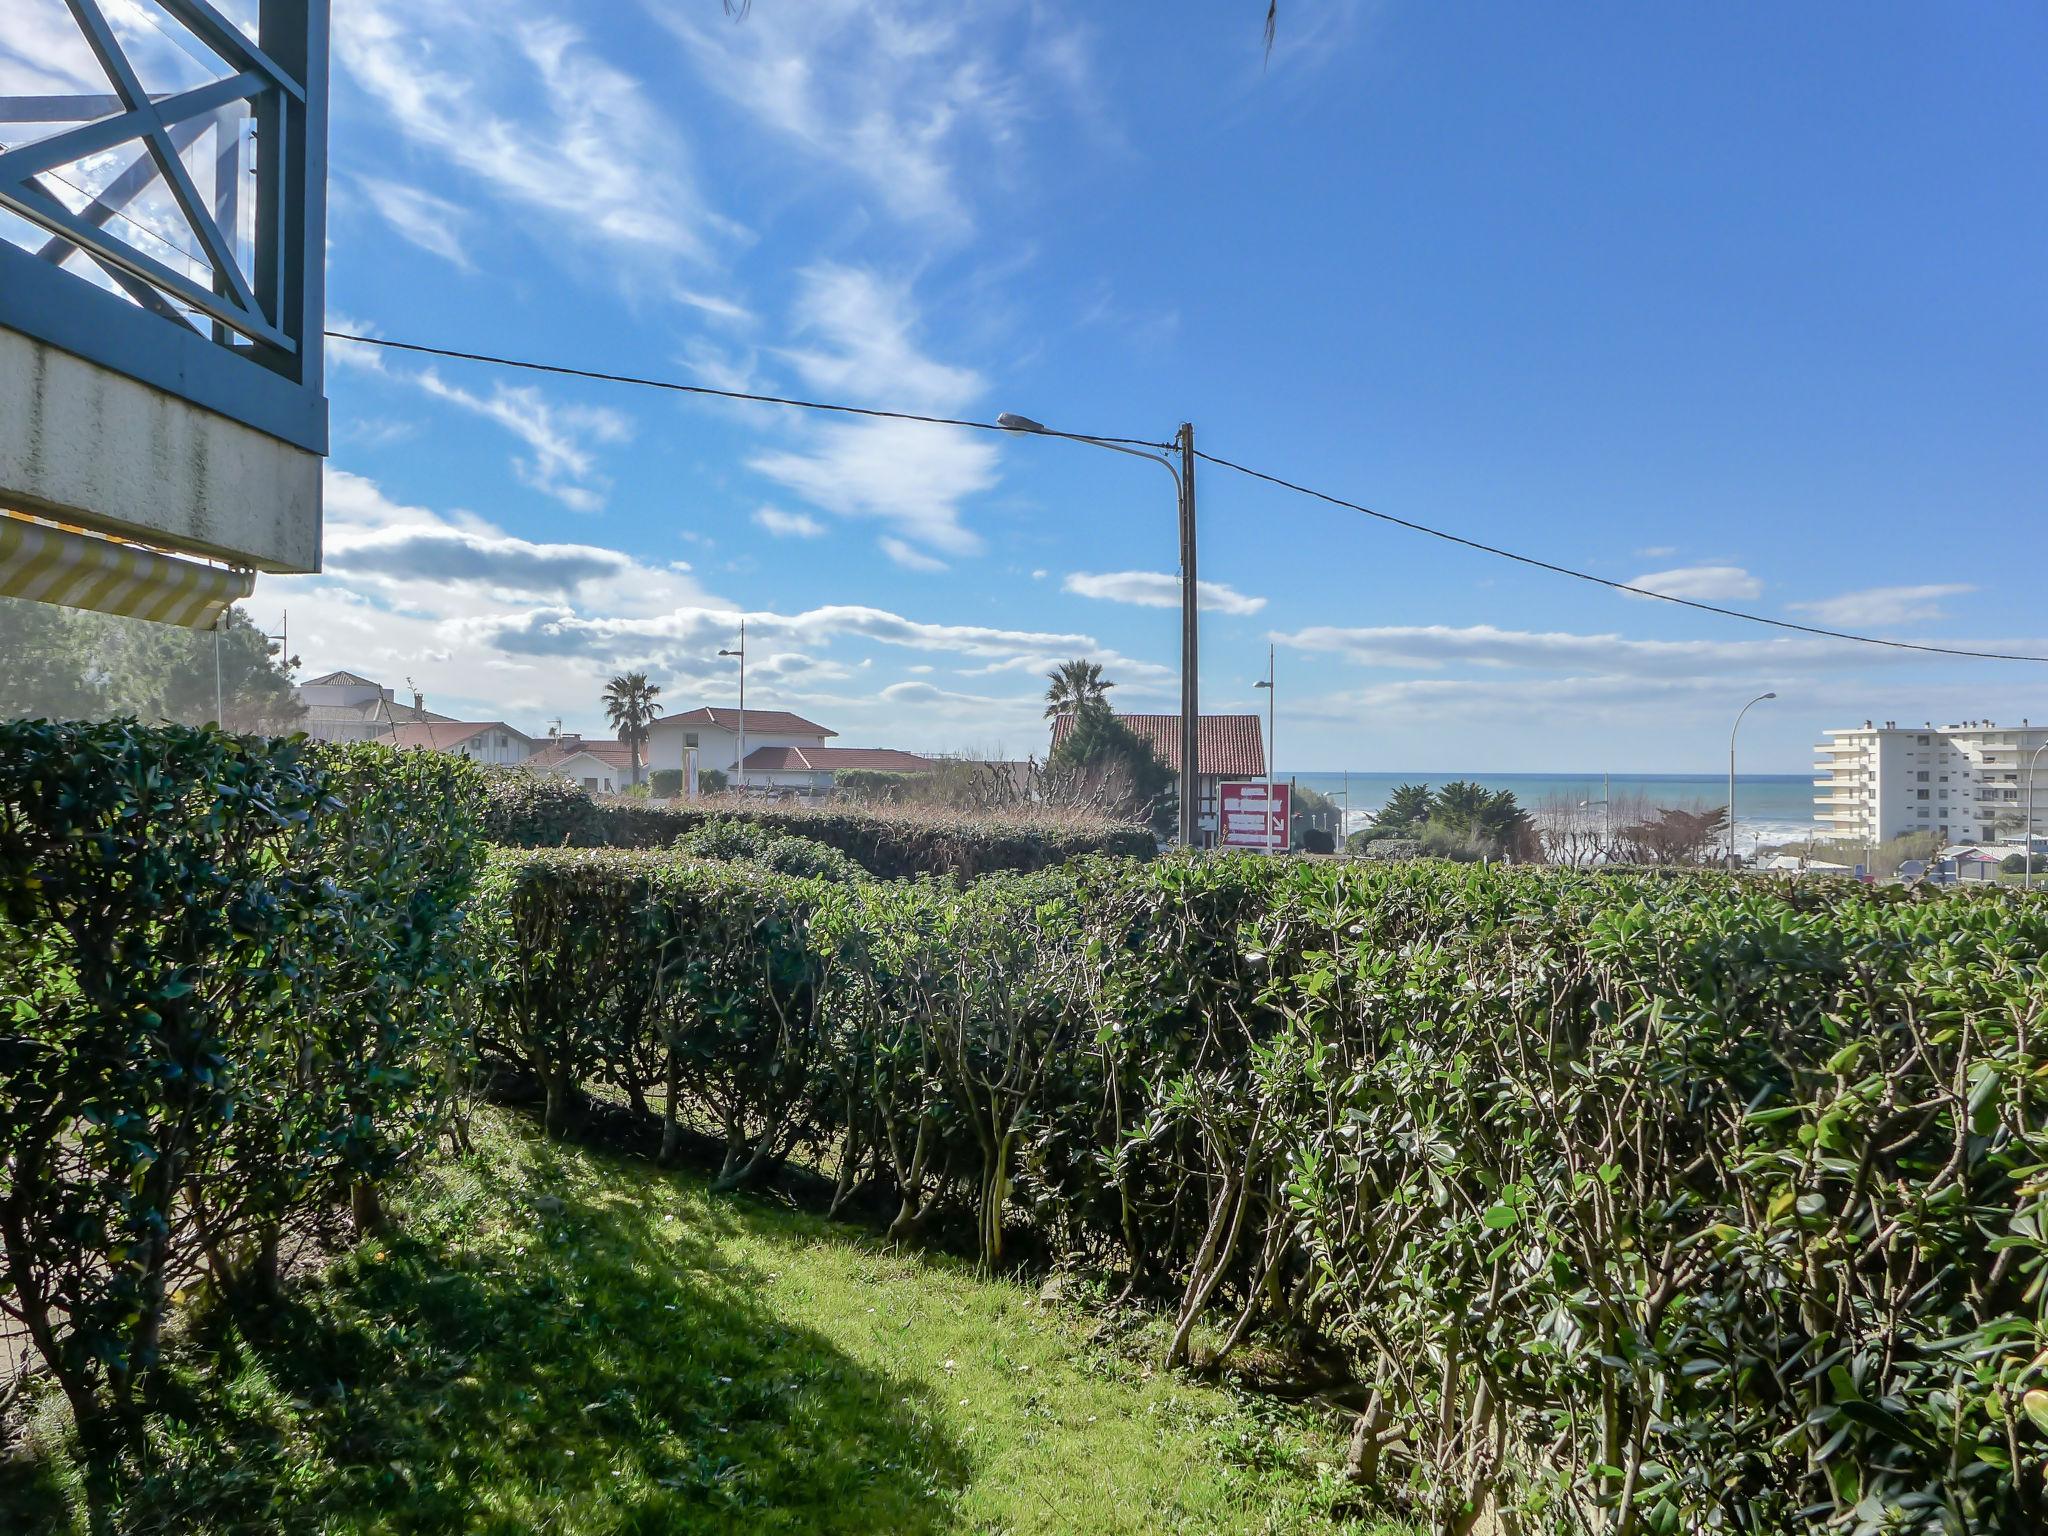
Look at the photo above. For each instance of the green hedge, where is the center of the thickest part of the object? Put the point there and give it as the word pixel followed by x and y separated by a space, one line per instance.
pixel 537 810
pixel 225 968
pixel 1636 1203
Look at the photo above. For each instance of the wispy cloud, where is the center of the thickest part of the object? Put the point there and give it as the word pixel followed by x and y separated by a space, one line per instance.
pixel 524 104
pixel 909 99
pixel 789 525
pixel 857 336
pixel 1157 589
pixel 562 464
pixel 1878 606
pixel 911 559
pixel 1702 583
pixel 432 223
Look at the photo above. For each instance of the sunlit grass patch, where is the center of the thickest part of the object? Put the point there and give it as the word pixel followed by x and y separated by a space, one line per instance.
pixel 563 1340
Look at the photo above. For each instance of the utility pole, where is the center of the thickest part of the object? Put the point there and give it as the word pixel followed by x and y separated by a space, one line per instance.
pixel 739 768
pixel 1271 693
pixel 1190 656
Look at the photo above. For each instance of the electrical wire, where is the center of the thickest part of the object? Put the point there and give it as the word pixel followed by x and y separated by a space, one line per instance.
pixel 1607 581
pixel 676 387
pixel 680 388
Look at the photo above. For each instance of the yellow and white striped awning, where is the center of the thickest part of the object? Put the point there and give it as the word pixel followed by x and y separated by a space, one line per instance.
pixel 79 570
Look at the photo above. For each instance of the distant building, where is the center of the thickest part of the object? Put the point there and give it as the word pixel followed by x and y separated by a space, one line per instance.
pixel 345 706
pixel 715 733
pixel 482 741
pixel 812 769
pixel 1228 748
pixel 1964 783
pixel 601 765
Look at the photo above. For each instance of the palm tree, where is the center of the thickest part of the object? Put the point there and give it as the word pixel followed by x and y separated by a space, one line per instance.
pixel 629 705
pixel 1073 684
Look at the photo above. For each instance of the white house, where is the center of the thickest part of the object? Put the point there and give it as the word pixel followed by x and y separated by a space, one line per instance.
pixel 483 741
pixel 813 769
pixel 715 733
pixel 604 767
pixel 345 706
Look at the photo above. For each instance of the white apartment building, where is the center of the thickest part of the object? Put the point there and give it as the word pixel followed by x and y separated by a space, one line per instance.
pixel 715 734
pixel 1966 783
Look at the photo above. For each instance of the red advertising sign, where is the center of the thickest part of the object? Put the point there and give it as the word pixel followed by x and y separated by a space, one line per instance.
pixel 1250 820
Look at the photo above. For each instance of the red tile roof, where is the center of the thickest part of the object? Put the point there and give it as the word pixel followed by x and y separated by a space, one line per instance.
pixel 444 734
pixel 1231 746
pixel 833 759
pixel 562 748
pixel 765 722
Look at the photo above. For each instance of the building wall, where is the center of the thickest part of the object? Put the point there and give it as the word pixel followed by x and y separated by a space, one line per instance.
pixel 1965 784
pixel 716 747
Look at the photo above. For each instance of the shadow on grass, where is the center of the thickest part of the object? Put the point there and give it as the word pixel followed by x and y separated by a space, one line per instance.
pixel 556 1342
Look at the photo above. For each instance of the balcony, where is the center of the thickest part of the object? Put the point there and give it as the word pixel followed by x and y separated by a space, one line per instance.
pixel 162 231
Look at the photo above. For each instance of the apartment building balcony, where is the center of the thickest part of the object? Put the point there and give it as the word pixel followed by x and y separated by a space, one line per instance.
pixel 162 239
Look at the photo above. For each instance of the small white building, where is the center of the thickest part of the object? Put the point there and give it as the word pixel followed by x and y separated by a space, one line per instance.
pixel 715 733
pixel 602 766
pixel 813 769
pixel 1965 783
pixel 346 706
pixel 482 741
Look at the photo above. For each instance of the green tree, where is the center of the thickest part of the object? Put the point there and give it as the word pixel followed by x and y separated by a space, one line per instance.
pixel 1104 763
pixel 1073 684
pixel 629 705
pixel 65 664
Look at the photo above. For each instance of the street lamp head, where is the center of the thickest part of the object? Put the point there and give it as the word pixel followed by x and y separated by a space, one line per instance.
pixel 1262 683
pixel 1010 421
pixel 1770 695
pixel 732 653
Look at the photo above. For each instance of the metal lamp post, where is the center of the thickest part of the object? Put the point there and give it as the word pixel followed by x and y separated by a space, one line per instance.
pixel 1731 771
pixel 2027 838
pixel 1271 694
pixel 1184 487
pixel 740 766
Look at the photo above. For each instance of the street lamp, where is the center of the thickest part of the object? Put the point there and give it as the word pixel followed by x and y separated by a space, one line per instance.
pixel 1184 488
pixel 1271 694
pixel 1731 771
pixel 2027 841
pixel 740 766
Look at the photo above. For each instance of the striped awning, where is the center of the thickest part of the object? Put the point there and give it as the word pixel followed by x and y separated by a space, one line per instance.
pixel 78 570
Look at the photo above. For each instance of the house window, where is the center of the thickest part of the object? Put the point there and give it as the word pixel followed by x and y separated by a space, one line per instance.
pixel 1921 793
pixel 689 738
pixel 1921 775
pixel 590 783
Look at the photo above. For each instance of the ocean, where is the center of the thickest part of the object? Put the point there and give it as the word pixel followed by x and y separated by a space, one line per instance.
pixel 1769 807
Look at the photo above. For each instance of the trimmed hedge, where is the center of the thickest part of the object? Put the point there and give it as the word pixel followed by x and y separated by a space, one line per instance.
pixel 1634 1203
pixel 226 971
pixel 538 810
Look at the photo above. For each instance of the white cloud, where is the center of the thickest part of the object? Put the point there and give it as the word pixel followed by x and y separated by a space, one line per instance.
pixel 432 223
pixel 900 95
pixel 1879 606
pixel 1702 583
pixel 907 557
pixel 859 342
pixel 1438 645
pixel 1156 589
pixel 866 326
pixel 522 103
pixel 789 525
pixel 559 436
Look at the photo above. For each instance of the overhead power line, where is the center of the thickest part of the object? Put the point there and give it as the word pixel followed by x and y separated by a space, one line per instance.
pixel 675 386
pixel 1607 581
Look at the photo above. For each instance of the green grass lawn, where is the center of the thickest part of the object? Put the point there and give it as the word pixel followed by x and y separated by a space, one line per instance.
pixel 644 1357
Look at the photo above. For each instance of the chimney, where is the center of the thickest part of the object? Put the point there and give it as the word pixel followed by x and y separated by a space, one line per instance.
pixel 419 701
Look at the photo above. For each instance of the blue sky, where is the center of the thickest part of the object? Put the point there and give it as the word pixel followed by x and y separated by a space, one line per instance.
pixel 1743 300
